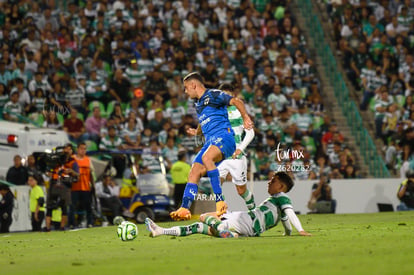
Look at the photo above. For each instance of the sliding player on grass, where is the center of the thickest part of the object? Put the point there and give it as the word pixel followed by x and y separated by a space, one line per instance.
pixel 236 165
pixel 277 207
pixel 211 106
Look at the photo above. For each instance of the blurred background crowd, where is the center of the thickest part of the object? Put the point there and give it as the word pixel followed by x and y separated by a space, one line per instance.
pixel 110 73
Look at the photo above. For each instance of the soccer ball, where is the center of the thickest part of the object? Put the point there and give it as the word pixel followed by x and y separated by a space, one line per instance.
pixel 127 231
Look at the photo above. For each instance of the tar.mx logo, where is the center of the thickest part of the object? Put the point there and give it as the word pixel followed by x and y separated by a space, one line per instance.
pixel 288 154
pixel 61 109
pixel 211 197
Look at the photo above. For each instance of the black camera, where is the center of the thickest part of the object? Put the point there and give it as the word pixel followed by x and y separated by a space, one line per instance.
pixel 49 161
pixel 53 162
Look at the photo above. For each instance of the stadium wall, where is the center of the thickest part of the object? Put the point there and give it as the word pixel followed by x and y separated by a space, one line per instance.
pixel 352 196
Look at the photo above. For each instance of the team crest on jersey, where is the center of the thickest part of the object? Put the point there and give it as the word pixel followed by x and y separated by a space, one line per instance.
pixel 206 100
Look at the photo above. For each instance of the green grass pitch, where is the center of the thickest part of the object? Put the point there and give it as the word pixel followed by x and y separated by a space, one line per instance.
pixel 381 243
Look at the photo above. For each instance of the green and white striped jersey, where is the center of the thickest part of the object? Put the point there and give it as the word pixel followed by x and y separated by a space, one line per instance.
pixel 150 160
pixel 236 122
pixel 270 212
pixel 136 77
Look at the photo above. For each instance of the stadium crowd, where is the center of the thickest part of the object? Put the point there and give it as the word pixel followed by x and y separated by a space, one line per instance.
pixel 376 39
pixel 110 73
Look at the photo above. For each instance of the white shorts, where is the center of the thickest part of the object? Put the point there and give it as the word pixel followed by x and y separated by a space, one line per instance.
pixel 237 169
pixel 239 222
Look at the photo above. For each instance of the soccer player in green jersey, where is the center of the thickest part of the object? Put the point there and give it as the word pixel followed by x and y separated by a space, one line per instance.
pixel 278 207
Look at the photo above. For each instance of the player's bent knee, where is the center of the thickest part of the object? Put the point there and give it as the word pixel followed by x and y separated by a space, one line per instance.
pixel 241 189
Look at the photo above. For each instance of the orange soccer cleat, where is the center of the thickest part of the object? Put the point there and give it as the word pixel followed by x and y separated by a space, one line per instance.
pixel 221 208
pixel 182 214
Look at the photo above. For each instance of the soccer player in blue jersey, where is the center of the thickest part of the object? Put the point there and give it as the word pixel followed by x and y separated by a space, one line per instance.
pixel 211 106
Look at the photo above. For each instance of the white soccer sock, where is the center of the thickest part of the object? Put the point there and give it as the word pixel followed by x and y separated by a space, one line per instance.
pixel 173 231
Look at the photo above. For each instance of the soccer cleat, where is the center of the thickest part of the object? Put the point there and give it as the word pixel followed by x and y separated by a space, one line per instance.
pixel 153 228
pixel 228 234
pixel 221 208
pixel 182 214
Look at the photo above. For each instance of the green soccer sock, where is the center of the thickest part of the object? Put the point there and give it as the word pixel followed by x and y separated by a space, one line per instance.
pixel 195 228
pixel 213 222
pixel 249 199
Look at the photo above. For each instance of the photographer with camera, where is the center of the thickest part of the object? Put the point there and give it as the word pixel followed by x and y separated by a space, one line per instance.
pixel 82 189
pixel 321 198
pixel 406 193
pixel 65 172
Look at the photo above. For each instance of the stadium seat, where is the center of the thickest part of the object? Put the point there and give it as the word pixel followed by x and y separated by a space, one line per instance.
pixel 80 116
pixel 91 145
pixel 60 118
pixel 40 119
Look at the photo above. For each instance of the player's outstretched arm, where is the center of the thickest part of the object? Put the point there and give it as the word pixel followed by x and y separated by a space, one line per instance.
pixel 296 222
pixel 247 122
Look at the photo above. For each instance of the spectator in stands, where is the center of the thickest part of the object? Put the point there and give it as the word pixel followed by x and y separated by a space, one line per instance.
pixel 175 112
pixel 156 123
pixel 156 85
pixel 150 157
pixel 6 208
pixel 327 138
pixel 12 110
pixel 117 114
pixel 51 120
pixel 94 123
pixel 119 87
pixel 372 79
pixel 131 133
pixel 302 119
pixel 75 96
pixel 39 82
pixel 358 61
pixel 95 87
pixel 75 127
pixel 334 155
pixel 262 164
pixel 322 167
pixel 381 105
pixel 17 174
pixel 24 96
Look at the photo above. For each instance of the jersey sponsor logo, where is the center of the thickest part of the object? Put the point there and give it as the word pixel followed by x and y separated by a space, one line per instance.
pixel 204 122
